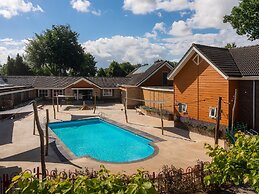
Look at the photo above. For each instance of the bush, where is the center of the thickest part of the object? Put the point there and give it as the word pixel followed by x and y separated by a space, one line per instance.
pixel 102 183
pixel 239 165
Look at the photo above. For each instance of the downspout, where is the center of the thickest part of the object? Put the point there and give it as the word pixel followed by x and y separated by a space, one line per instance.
pixel 254 98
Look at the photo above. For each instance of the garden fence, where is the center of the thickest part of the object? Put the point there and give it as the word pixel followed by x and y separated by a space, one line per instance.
pixel 168 180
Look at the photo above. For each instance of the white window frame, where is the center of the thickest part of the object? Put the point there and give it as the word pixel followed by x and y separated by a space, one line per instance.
pixel 198 59
pixel 107 92
pixel 182 107
pixel 213 110
pixel 60 92
pixel 41 92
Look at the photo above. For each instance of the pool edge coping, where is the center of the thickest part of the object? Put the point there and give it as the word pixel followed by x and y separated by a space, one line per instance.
pixel 69 155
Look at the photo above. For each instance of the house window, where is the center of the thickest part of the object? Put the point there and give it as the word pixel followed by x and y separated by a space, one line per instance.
pixel 213 112
pixel 182 107
pixel 107 92
pixel 196 59
pixel 58 92
pixel 165 74
pixel 43 93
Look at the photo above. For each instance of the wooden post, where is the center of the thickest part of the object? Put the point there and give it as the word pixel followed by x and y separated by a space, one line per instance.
pixel 42 157
pixel 47 133
pixel 94 103
pixel 34 125
pixel 54 110
pixel 125 110
pixel 161 117
pixel 233 111
pixel 218 121
pixel 57 104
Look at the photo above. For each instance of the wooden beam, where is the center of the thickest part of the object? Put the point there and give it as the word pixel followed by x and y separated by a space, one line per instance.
pixel 161 117
pixel 53 105
pixel 42 156
pixel 218 121
pixel 57 104
pixel 34 125
pixel 47 133
pixel 125 110
pixel 94 103
pixel 233 110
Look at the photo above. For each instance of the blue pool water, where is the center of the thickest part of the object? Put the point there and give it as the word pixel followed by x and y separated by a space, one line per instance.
pixel 102 140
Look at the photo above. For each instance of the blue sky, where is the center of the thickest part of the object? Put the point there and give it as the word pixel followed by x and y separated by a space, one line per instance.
pixel 122 30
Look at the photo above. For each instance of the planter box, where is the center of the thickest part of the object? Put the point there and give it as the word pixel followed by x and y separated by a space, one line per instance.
pixel 200 127
pixel 166 116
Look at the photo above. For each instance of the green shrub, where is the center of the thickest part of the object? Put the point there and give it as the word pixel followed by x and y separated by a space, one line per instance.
pixel 239 165
pixel 102 183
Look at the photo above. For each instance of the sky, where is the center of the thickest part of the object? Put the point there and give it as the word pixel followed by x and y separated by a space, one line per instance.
pixel 137 31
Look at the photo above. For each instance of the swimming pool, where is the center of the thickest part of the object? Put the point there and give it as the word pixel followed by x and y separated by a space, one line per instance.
pixel 102 140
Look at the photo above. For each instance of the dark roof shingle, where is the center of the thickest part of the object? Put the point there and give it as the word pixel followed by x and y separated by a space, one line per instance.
pixel 108 82
pixel 233 62
pixel 247 59
pixel 221 58
pixel 143 72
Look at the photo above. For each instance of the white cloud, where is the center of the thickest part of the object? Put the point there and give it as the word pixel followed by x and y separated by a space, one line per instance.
pixel 160 27
pixel 125 48
pixel 10 8
pixel 180 28
pixel 148 6
pixel 84 6
pixel 97 13
pixel 210 13
pixel 81 5
pixel 177 46
pixel 10 47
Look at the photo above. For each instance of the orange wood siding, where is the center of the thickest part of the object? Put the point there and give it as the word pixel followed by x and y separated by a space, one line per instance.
pixel 165 96
pixel 199 86
pixel 157 78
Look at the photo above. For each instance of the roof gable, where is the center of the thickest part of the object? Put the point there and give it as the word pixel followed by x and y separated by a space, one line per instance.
pixel 235 63
pixel 143 73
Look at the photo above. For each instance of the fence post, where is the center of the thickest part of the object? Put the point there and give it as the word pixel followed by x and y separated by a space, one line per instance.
pixel 42 155
pixel 218 121
pixel 47 133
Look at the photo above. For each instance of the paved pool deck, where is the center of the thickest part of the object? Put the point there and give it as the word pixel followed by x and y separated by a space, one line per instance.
pixel 19 147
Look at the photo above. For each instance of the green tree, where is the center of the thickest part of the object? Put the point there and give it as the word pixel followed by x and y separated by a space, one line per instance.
pixel 56 49
pixel 127 68
pixel 101 73
pixel 86 68
pixel 10 66
pixel 231 45
pixel 21 68
pixel 244 18
pixel 115 70
pixel 15 66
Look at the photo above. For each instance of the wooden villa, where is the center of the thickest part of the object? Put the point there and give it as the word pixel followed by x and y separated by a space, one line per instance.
pixel 206 73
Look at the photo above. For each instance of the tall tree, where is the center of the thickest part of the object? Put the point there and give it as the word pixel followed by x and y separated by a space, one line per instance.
pixel 15 67
pixel 231 45
pixel 101 73
pixel 21 68
pixel 10 66
pixel 87 67
pixel 115 70
pixel 56 49
pixel 244 18
pixel 127 68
